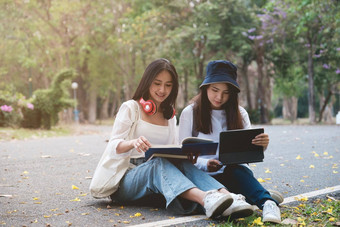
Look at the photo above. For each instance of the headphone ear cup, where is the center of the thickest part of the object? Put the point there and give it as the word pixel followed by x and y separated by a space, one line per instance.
pixel 173 112
pixel 169 112
pixel 149 106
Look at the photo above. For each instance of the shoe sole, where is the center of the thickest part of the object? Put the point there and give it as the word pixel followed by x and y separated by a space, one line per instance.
pixel 272 220
pixel 242 213
pixel 222 206
pixel 276 195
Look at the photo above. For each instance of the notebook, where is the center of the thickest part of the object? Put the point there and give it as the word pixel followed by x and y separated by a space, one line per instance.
pixel 236 147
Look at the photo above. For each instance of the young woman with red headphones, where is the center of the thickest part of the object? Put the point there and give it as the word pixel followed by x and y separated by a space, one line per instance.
pixel 149 119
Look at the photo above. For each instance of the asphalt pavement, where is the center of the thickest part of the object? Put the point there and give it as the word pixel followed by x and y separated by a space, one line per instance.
pixel 45 181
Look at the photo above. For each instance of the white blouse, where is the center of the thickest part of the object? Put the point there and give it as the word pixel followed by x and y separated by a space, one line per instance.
pixel 219 124
pixel 156 134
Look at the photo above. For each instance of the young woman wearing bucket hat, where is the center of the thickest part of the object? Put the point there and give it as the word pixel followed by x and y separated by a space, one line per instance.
pixel 148 118
pixel 216 109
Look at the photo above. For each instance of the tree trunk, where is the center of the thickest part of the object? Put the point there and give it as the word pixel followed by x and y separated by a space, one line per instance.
pixel 263 87
pixel 92 113
pixel 311 96
pixel 186 96
pixel 115 104
pixel 104 112
pixel 246 80
pixel 289 109
pixel 324 105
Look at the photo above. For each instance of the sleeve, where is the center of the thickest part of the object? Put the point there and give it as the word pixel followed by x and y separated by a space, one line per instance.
pixel 121 128
pixel 245 118
pixel 173 137
pixel 202 163
pixel 185 123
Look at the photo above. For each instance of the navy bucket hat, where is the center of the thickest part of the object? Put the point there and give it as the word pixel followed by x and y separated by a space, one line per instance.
pixel 221 71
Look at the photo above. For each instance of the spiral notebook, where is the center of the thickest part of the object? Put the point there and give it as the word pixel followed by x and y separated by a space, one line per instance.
pixel 236 147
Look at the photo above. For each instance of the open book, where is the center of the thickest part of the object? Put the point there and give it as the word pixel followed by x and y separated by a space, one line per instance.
pixel 189 145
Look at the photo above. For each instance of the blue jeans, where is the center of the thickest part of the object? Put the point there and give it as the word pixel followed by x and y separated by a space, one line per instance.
pixel 240 180
pixel 161 176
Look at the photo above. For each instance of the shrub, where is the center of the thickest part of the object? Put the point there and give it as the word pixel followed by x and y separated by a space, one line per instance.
pixel 11 103
pixel 49 102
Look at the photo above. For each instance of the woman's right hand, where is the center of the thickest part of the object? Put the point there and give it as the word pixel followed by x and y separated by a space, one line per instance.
pixel 141 144
pixel 214 165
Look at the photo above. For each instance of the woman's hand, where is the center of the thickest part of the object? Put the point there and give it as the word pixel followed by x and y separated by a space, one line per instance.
pixel 261 140
pixel 141 144
pixel 214 165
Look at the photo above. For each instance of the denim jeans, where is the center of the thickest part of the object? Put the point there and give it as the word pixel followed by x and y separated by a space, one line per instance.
pixel 161 176
pixel 240 180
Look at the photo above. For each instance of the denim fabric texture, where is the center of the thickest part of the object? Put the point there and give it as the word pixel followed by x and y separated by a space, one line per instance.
pixel 169 178
pixel 240 180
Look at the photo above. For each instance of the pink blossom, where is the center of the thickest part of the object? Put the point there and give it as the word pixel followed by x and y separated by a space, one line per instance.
pixel 325 66
pixel 337 71
pixel 30 106
pixel 6 108
pixel 251 30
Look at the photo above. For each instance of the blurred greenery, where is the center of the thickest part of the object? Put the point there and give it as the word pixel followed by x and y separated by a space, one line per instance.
pixel 283 49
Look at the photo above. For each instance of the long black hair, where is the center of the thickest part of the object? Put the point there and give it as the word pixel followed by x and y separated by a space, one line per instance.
pixel 150 73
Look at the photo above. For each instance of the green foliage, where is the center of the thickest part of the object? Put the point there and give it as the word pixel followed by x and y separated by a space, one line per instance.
pixel 16 101
pixel 49 102
pixel 109 43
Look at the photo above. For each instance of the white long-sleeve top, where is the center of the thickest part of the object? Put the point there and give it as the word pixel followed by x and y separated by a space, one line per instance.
pixel 128 125
pixel 219 124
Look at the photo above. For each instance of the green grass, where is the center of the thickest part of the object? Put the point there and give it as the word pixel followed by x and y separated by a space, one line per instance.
pixel 319 212
pixel 22 133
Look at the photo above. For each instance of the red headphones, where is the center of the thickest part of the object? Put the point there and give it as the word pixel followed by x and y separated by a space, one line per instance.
pixel 150 107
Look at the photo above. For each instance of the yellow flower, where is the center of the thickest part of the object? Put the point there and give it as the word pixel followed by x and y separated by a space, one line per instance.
pixel 331 219
pixel 301 199
pixel 258 221
pixel 298 157
pixel 138 214
pixel 267 171
pixel 330 211
pixel 74 187
pixel 311 166
pixel 260 180
pixel 302 205
pixel 301 221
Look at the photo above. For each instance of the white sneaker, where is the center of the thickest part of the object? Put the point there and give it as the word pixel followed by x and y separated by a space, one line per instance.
pixel 215 203
pixel 276 195
pixel 239 208
pixel 271 212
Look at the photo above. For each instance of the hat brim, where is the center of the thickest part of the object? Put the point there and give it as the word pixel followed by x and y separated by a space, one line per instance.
pixel 220 79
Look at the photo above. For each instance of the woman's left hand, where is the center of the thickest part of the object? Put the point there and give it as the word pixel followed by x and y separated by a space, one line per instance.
pixel 261 140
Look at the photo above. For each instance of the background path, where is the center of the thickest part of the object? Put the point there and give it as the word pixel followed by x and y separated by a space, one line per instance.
pixel 37 175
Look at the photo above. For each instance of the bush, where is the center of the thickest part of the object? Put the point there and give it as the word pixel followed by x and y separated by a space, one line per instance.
pixel 11 103
pixel 49 102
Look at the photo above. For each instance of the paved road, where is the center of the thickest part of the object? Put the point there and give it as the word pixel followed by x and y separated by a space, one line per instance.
pixel 38 174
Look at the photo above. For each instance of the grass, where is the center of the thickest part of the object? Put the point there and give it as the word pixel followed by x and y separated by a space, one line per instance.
pixel 318 212
pixel 22 133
